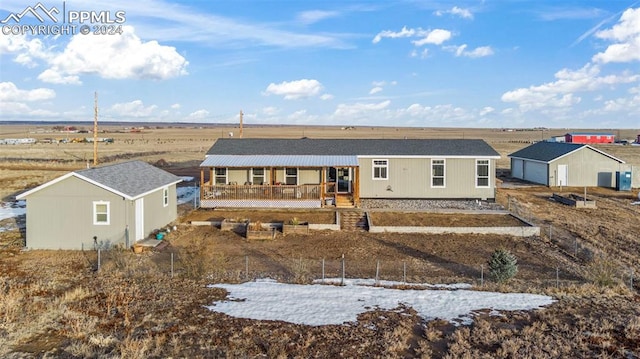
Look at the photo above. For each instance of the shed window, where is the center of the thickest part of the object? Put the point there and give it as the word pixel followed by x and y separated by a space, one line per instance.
pixel 257 176
pixel 165 196
pixel 221 175
pixel 482 173
pixel 380 169
pixel 437 173
pixel 291 176
pixel 101 213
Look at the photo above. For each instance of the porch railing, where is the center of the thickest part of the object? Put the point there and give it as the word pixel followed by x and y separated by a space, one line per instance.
pixel 261 192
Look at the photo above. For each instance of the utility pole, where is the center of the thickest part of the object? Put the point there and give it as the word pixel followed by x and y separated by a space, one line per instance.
pixel 95 128
pixel 241 123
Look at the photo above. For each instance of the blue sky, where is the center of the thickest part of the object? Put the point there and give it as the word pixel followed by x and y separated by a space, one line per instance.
pixel 392 63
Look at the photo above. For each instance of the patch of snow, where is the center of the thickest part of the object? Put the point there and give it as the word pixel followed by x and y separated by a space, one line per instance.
pixel 12 209
pixel 318 304
pixel 187 178
pixel 186 194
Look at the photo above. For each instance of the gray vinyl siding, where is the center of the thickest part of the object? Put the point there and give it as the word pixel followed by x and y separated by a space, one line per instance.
pixel 411 178
pixel 587 168
pixel 61 216
pixel 156 215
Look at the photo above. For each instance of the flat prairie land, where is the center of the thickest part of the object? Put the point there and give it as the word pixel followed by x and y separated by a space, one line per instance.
pixel 55 303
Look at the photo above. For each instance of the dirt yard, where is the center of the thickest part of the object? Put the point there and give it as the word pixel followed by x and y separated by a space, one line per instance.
pixel 55 303
pixel 443 220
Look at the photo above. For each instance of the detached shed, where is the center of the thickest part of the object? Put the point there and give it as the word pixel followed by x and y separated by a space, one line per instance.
pixel 565 164
pixel 102 206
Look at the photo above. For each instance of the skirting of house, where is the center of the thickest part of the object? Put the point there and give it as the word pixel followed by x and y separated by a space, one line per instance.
pixel 215 203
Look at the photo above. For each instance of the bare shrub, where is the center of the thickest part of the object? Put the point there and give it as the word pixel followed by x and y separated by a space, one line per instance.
pixel 602 272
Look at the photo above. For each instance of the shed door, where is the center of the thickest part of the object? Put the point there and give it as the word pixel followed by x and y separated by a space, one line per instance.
pixel 535 172
pixel 139 218
pixel 516 168
pixel 563 175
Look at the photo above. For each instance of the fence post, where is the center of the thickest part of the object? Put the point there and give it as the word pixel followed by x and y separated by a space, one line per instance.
pixel 246 267
pixel 171 265
pixel 377 271
pixel 342 280
pixel 550 231
pixel 631 279
pixel 482 275
pixel 322 270
pixel 404 272
pixel 98 260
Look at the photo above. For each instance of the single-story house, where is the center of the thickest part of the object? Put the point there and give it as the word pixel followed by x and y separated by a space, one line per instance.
pixel 565 164
pixel 589 137
pixel 312 173
pixel 102 206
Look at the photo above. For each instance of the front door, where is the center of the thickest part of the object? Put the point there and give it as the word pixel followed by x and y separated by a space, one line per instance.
pixel 139 218
pixel 344 179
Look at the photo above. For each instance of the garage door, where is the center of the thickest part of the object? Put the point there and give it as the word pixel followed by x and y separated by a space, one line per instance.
pixel 516 168
pixel 535 172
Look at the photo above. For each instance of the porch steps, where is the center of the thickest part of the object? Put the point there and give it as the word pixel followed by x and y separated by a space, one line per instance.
pixel 344 201
pixel 353 221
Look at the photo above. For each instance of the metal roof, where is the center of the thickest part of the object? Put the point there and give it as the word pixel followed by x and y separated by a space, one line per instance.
pixel 352 147
pixel 278 161
pixel 549 151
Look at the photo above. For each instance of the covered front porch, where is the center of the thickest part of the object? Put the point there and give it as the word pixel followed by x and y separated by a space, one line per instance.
pixel 274 182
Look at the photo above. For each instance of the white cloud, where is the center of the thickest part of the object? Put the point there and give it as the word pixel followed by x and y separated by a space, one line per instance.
pixel 313 16
pixel 560 92
pixel 446 113
pixel 375 90
pixel 360 109
pixel 626 35
pixel 463 13
pixel 487 110
pixel 13 101
pixel 394 35
pixel 422 54
pixel 326 97
pixel 436 37
pixel 461 50
pixel 198 115
pixel 114 57
pixel 175 106
pixel 55 77
pixel 9 92
pixel 295 89
pixel 27 50
pixel 133 109
pixel 270 111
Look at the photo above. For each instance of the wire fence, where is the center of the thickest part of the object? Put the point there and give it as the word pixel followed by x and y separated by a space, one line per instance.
pixel 223 268
pixel 570 243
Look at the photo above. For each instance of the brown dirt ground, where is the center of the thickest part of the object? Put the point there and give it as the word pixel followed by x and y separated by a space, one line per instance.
pixel 264 216
pixel 443 220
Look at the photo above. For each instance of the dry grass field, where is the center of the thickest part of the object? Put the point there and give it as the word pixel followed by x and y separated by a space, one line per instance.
pixel 55 303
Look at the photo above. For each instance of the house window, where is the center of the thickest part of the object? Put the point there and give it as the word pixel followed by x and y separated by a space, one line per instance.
pixel 101 213
pixel 482 173
pixel 165 196
pixel 257 176
pixel 291 176
pixel 380 169
pixel 221 175
pixel 437 173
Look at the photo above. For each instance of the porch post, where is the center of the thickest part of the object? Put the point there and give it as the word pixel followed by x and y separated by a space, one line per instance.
pixel 201 183
pixel 356 186
pixel 323 184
